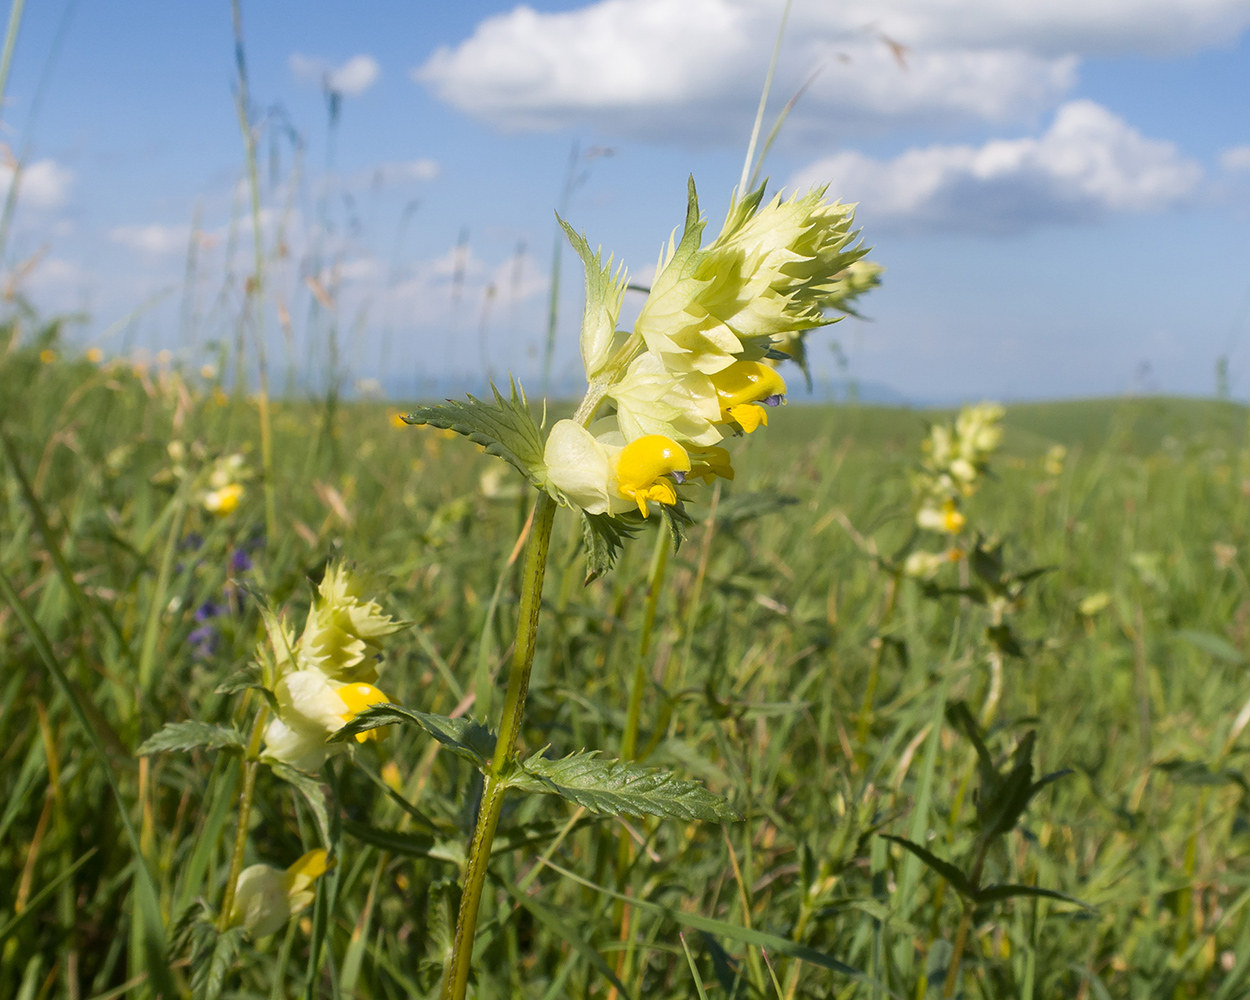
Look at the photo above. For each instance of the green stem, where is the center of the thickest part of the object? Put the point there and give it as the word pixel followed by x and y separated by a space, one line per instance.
pixel 245 815
pixel 496 784
pixel 965 923
pixel 864 728
pixel 258 280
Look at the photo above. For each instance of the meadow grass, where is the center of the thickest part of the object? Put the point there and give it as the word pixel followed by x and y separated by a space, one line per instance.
pixel 1132 674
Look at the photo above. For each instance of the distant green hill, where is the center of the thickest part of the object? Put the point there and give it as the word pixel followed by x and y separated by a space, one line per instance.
pixel 1135 423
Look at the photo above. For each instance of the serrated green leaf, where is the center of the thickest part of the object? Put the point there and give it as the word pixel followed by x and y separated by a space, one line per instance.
pixel 604 536
pixel 506 429
pixel 310 788
pixel 209 978
pixel 618 787
pixel 996 893
pixel 464 737
pixel 953 875
pixel 678 520
pixel 189 736
pixel 241 680
pixel 1001 805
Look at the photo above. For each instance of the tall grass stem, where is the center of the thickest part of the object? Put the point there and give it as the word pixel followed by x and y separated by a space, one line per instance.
pixel 759 115
pixel 257 288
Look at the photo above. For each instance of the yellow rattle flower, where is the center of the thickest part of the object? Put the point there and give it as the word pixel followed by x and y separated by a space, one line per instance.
pixel 643 469
pixel 708 463
pixel 266 897
pixel 946 519
pixel 742 388
pixel 223 501
pixel 358 697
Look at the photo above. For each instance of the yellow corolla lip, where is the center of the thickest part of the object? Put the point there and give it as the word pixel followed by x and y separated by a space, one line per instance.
pixel 358 697
pixel 709 463
pixel 740 389
pixel 643 468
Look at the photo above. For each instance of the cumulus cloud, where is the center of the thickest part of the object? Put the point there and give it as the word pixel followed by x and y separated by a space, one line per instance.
pixel 44 184
pixel 1236 160
pixel 1050 27
pixel 351 79
pixel 154 239
pixel 1088 164
pixel 693 69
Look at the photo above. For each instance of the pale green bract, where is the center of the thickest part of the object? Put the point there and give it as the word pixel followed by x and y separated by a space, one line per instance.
pixel 770 272
pixel 604 292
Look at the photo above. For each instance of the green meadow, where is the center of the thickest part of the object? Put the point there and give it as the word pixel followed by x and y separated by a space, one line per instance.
pixel 784 664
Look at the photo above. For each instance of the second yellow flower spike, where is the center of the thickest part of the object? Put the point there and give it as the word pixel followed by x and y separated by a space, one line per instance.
pixel 643 468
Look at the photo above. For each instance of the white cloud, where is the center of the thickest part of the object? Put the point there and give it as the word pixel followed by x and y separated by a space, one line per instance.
pixel 1236 160
pixel 693 69
pixel 154 239
pixel 44 184
pixel 1086 27
pixel 351 79
pixel 1087 164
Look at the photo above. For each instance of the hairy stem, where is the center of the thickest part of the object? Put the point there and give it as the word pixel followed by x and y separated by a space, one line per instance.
pixel 495 787
pixel 251 763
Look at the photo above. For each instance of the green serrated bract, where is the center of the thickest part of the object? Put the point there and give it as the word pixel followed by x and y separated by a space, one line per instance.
pixel 466 738
pixel 506 429
pixel 603 537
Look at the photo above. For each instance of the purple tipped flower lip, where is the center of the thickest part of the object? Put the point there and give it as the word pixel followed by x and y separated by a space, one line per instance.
pixel 776 399
pixel 240 562
pixel 679 477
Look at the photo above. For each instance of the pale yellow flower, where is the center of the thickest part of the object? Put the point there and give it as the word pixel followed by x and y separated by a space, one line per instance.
pixel 946 519
pixel 224 501
pixel 768 273
pixel 265 898
pixel 652 400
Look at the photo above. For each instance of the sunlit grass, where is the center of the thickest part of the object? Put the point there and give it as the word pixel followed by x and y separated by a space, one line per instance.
pixel 144 597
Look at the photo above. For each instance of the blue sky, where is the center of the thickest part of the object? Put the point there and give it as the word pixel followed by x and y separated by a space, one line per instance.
pixel 1059 189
